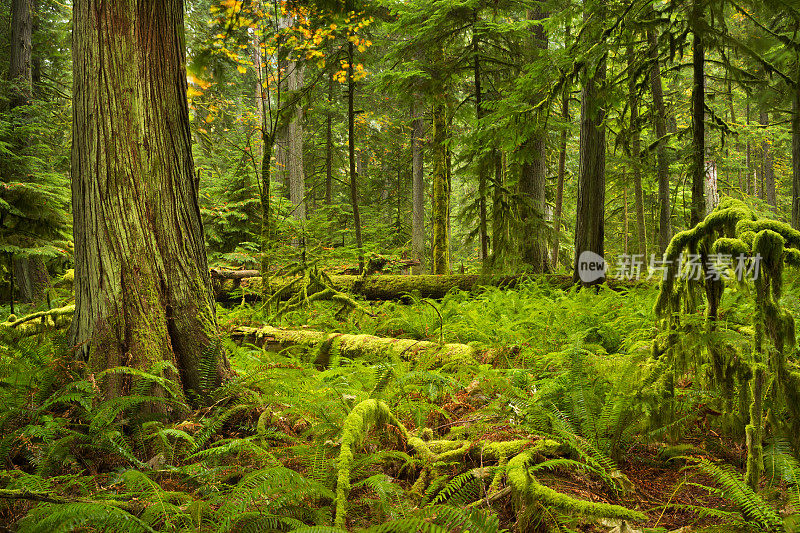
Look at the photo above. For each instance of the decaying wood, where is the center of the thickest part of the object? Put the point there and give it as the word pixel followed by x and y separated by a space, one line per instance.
pixel 319 346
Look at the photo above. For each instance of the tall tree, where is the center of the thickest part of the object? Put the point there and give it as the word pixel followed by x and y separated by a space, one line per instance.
pixel 767 167
pixel 660 123
pixel 142 288
pixel 533 178
pixel 440 216
pixel 590 217
pixel 634 147
pixel 697 22
pixel 417 188
pixel 20 70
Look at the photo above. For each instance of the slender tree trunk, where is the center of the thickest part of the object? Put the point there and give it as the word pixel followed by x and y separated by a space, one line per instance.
pixel 351 153
pixel 641 234
pixel 590 217
pixel 662 164
pixel 796 153
pixel 329 145
pixel 483 234
pixel 533 179
pixel 417 189
pixel 562 162
pixel 142 288
pixel 698 117
pixel 768 170
pixel 440 246
pixel 499 209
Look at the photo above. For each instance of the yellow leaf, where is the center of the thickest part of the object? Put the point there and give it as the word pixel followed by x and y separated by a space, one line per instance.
pixel 241 69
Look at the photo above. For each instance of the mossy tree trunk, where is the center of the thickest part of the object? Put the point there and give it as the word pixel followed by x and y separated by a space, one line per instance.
pixel 441 193
pixel 590 218
pixel 142 288
pixel 562 163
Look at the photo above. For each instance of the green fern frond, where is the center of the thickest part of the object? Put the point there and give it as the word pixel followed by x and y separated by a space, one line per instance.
pixel 735 490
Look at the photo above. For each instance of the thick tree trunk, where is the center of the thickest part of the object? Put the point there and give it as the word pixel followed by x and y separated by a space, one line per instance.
pixel 417 189
pixel 767 167
pixel 20 70
pixel 32 278
pixel 440 246
pixel 662 164
pixel 590 218
pixel 533 179
pixel 641 234
pixel 698 208
pixel 142 289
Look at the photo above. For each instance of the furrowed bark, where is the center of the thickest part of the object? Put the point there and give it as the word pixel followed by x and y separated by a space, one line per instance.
pixel 142 288
pixel 417 188
pixel 698 208
pixel 590 218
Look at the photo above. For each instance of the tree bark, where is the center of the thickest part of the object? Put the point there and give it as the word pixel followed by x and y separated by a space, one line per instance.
pixel 590 217
pixel 142 288
pixel 20 70
pixel 417 189
pixel 440 246
pixel 698 208
pixel 533 178
pixel 662 164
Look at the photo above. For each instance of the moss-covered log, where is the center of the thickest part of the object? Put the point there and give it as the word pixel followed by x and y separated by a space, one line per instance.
pixel 323 347
pixel 392 287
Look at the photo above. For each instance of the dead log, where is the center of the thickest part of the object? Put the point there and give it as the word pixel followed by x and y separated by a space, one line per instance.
pixel 394 287
pixel 233 274
pixel 319 347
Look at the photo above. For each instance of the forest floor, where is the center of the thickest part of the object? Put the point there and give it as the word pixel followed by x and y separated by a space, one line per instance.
pixel 576 367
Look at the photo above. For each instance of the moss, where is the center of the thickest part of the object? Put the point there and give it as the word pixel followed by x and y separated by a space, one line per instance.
pixel 530 490
pixel 364 415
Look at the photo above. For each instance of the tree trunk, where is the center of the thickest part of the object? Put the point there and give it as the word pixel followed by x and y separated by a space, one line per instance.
pixel 483 235
pixel 20 71
pixel 796 154
pixel 767 167
pixel 417 189
pixel 440 246
pixel 641 234
pixel 296 174
pixel 533 179
pixel 351 153
pixel 698 208
pixel 142 288
pixel 562 162
pixel 329 145
pixel 590 218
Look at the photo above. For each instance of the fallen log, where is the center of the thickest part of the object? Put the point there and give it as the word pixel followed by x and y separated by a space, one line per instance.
pixel 37 322
pixel 395 287
pixel 233 274
pixel 322 348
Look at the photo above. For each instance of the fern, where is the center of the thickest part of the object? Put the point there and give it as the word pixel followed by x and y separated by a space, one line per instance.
pixel 752 506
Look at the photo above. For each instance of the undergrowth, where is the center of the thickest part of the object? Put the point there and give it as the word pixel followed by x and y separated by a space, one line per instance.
pixel 548 436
